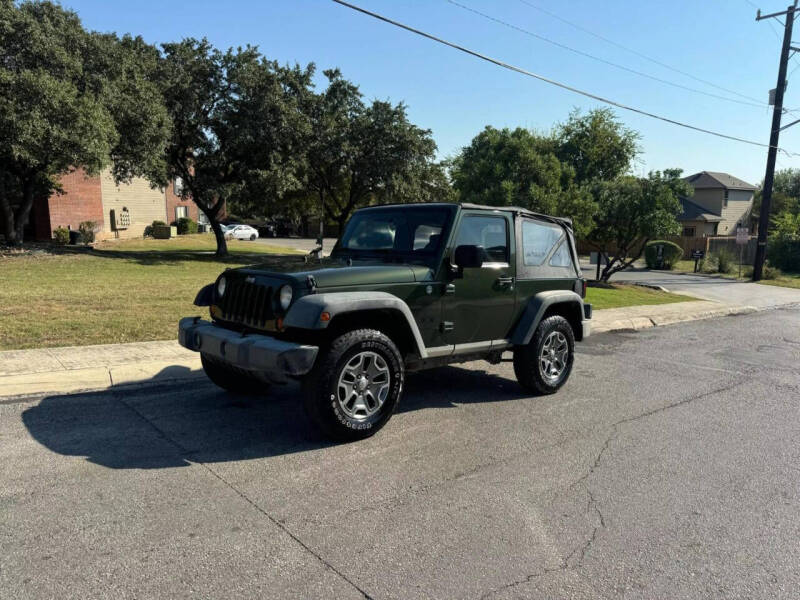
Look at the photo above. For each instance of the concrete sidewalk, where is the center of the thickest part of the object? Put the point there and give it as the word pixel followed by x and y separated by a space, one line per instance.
pixel 79 368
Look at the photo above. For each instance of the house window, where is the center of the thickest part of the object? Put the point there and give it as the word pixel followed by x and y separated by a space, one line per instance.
pixel 688 231
pixel 181 212
pixel 726 199
pixel 177 186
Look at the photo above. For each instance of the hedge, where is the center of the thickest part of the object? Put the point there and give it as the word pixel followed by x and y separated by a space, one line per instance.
pixel 785 254
pixel 186 225
pixel 671 255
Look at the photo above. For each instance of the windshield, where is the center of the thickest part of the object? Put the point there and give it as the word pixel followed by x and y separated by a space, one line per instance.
pixel 410 232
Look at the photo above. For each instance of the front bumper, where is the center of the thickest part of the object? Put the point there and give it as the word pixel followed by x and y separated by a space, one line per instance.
pixel 586 322
pixel 265 356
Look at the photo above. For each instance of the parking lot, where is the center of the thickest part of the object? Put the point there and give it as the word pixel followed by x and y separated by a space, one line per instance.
pixel 666 468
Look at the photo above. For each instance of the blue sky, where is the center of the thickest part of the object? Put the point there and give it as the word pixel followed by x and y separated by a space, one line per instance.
pixel 456 95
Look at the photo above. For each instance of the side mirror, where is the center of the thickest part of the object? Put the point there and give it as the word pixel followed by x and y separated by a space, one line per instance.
pixel 468 257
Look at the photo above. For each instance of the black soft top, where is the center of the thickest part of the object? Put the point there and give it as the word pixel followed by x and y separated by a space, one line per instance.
pixel 467 205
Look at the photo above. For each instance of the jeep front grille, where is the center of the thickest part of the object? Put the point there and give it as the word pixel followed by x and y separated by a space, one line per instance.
pixel 247 303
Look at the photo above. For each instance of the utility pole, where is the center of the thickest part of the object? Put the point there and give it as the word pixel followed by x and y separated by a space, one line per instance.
pixel 769 176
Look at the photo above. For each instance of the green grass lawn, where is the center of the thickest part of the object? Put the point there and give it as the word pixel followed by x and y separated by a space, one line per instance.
pixel 619 295
pixel 791 280
pixel 197 243
pixel 126 291
pixel 137 290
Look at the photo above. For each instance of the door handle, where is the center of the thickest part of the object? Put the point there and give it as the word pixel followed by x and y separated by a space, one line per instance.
pixel 505 281
pixel 449 289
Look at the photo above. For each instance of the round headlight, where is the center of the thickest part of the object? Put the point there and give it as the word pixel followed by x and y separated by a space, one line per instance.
pixel 285 296
pixel 221 283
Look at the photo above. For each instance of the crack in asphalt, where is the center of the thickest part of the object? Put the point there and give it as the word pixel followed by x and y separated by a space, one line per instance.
pixel 592 505
pixel 161 433
pixel 568 562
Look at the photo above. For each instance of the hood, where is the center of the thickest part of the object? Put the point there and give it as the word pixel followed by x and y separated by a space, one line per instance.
pixel 334 273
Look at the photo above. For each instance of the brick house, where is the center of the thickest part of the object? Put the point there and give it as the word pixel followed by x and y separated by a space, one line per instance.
pixel 720 204
pixel 99 199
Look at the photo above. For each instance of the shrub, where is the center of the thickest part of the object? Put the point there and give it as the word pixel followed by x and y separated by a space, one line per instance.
pixel 671 255
pixel 148 231
pixel 186 225
pixel 61 236
pixel 785 254
pixel 708 264
pixel 86 231
pixel 770 272
pixel 726 260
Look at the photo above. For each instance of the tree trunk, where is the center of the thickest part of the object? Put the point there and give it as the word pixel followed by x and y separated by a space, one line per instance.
pixel 621 260
pixel 222 245
pixel 341 221
pixel 14 221
pixel 24 211
pixel 9 231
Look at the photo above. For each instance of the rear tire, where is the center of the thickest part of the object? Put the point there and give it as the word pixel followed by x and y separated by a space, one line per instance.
pixel 545 363
pixel 354 388
pixel 252 237
pixel 231 380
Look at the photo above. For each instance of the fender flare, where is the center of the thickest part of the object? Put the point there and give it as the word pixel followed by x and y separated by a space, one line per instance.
pixel 534 311
pixel 305 312
pixel 205 296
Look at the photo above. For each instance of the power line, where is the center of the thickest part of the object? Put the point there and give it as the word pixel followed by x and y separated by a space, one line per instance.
pixel 771 26
pixel 640 54
pixel 602 60
pixel 552 81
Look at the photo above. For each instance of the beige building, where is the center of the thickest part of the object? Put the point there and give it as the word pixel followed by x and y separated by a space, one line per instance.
pixel 142 202
pixel 720 204
pixel 119 211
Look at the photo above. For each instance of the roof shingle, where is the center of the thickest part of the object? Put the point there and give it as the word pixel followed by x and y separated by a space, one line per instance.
pixel 712 179
pixel 694 212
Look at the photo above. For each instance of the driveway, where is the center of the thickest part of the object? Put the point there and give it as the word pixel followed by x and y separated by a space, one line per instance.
pixel 718 289
pixel 666 468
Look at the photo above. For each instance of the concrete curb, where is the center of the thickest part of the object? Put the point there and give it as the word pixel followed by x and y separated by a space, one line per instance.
pixel 656 320
pixel 60 376
pixel 100 378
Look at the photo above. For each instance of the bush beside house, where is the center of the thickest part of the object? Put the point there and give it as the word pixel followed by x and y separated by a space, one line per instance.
pixel 186 226
pixel 670 254
pixel 61 236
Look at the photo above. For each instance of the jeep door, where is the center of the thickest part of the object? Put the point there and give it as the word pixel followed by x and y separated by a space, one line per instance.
pixel 478 304
pixel 546 260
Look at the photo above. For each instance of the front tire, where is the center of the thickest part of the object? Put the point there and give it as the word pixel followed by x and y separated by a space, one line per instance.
pixel 355 386
pixel 545 363
pixel 230 380
pixel 252 237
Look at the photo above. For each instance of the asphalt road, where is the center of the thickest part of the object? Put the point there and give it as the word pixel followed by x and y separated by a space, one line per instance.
pixel 668 467
pixel 718 289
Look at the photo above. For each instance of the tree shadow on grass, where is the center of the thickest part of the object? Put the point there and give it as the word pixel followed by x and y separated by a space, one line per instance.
pixel 177 424
pixel 169 257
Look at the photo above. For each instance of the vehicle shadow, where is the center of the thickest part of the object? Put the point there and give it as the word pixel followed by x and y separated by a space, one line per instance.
pixel 174 424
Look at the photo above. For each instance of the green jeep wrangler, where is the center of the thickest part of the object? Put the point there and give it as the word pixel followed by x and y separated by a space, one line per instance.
pixel 406 287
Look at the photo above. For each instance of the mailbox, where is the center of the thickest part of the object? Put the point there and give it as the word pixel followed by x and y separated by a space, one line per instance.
pixel 120 219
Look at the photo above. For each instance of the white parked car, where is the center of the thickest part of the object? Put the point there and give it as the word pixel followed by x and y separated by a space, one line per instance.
pixel 241 232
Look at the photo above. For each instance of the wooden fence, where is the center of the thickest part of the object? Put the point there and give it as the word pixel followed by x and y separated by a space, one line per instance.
pixel 709 245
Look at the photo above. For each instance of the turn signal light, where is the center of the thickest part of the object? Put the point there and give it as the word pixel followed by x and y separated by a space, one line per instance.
pixel 325 316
